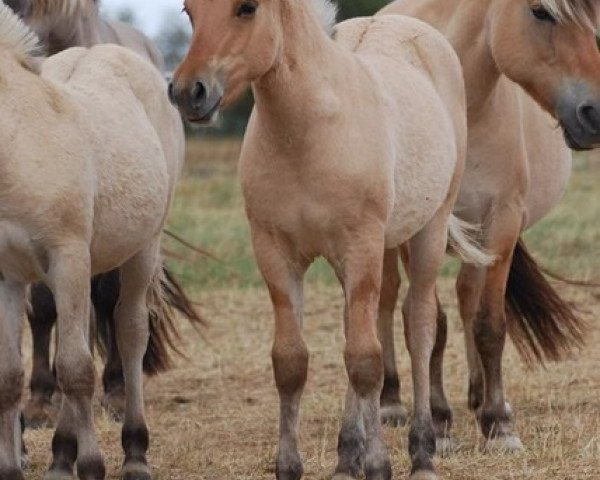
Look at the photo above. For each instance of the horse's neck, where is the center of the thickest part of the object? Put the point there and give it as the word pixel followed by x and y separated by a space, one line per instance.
pixel 301 87
pixel 467 31
pixel 463 22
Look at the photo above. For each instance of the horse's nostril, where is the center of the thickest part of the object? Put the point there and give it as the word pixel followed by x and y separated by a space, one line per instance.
pixel 171 91
pixel 589 116
pixel 198 93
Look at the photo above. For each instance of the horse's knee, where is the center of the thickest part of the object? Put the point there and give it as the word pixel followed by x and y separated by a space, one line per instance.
pixel 12 379
pixel 364 363
pixel 290 365
pixel 75 373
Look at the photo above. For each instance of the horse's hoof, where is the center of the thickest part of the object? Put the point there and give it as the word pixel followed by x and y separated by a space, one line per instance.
pixel 114 405
pixel 445 446
pixel 136 471
pixel 342 476
pixel 503 444
pixel 58 475
pixel 423 475
pixel 393 415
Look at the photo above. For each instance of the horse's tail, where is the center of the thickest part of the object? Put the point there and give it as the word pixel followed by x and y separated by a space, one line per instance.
pixel 541 324
pixel 167 299
pixel 463 242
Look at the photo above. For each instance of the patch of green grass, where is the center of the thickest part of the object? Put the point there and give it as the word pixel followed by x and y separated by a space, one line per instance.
pixel 208 212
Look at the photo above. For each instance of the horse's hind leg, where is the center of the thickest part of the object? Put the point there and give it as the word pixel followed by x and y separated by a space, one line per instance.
pixel 131 322
pixel 12 309
pixel 39 410
pixel 392 411
pixel 440 409
pixel 105 294
pixel 75 434
pixel 420 310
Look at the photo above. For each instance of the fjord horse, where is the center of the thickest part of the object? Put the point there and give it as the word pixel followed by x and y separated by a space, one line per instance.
pixel 354 147
pixel 529 65
pixel 91 149
pixel 62 24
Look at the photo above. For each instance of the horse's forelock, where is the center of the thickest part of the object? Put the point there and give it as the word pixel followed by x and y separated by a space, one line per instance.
pixel 584 13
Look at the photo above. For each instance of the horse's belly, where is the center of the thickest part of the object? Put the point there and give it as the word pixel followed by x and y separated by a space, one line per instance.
pixel 130 207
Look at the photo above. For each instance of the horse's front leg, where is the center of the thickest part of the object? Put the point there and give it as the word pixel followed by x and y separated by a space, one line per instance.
pixel 75 434
pixel 283 271
pixel 361 273
pixel 138 275
pixel 12 309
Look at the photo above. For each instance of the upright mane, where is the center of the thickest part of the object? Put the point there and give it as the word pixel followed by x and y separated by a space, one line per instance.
pixel 326 10
pixel 59 8
pixel 581 12
pixel 15 35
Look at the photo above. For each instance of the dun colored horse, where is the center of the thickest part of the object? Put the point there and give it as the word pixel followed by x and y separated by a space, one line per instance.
pixel 62 24
pixel 355 146
pixel 91 149
pixel 517 168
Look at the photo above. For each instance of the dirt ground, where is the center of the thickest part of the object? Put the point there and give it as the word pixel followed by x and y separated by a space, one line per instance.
pixel 215 416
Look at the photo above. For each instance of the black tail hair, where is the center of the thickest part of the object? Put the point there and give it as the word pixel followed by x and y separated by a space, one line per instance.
pixel 540 323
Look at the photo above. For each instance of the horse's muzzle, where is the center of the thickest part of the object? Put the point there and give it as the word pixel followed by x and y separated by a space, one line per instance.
pixel 198 101
pixel 579 115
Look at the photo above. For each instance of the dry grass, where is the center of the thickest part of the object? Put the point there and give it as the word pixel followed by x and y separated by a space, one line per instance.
pixel 215 416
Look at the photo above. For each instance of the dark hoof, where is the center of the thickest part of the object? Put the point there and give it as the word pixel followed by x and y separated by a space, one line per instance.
pixel 382 472
pixel 136 471
pixel 393 415
pixel 423 475
pixel 11 474
pixel 58 475
pixel 289 469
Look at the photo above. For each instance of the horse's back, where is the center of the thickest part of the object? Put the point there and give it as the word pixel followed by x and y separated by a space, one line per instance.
pixel 421 77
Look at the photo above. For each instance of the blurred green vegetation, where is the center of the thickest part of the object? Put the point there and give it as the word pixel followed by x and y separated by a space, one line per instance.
pixel 208 211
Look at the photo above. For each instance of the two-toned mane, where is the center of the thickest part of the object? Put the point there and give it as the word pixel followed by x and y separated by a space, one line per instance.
pixel 584 13
pixel 15 35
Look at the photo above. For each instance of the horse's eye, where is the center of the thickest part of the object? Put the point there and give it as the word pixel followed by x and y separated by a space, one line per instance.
pixel 542 14
pixel 598 42
pixel 246 9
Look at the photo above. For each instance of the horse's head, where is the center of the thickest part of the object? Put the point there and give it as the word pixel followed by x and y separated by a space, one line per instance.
pixel 551 49
pixel 234 43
